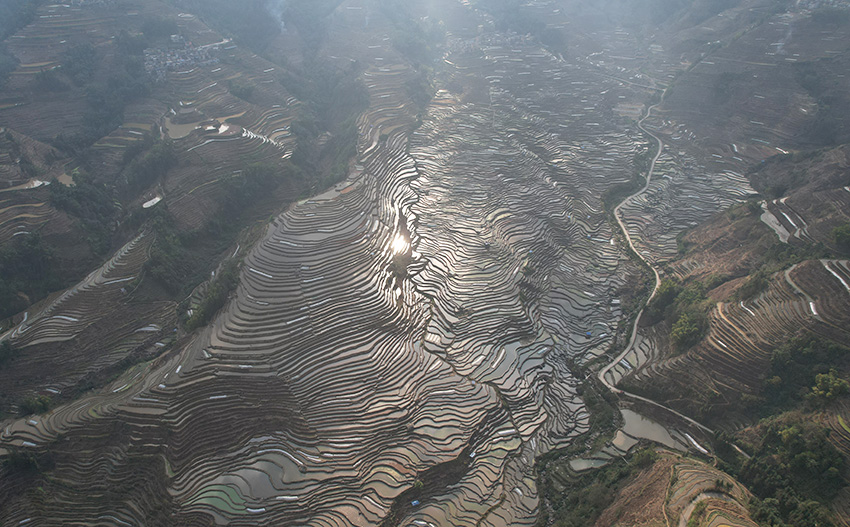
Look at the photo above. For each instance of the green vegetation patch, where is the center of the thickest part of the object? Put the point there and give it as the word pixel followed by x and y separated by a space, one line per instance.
pixel 831 17
pixel 171 263
pixel 698 514
pixel 557 482
pixel 685 308
pixel 181 260
pixel 8 64
pixel 333 99
pixel 841 237
pixel 773 258
pixel 804 369
pixel 144 170
pixel 14 14
pixel 640 167
pixel 222 497
pixel 794 472
pixel 249 21
pixel 29 269
pixel 819 79
pixel 19 462
pixel 417 39
pixel 37 404
pixel 577 500
pixel 106 97
pixel 7 353
pixel 216 295
pixel 92 205
pixel 428 484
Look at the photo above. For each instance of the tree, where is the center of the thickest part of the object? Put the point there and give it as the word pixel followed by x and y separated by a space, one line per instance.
pixel 79 63
pixel 810 513
pixel 827 387
pixel 755 284
pixel 29 268
pixel 686 331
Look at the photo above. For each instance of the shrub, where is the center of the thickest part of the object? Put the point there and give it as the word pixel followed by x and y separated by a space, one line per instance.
pixel 19 462
pixel 35 405
pixel 667 292
pixel 158 27
pixel 644 458
pixel 92 204
pixel 50 81
pixel 755 284
pixel 6 352
pixel 29 268
pixel 79 63
pixel 801 363
pixel 242 91
pixel 144 171
pixel 8 64
pixel 697 514
pixel 841 236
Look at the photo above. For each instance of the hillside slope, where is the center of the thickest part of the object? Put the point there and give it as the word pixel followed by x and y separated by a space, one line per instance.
pixel 370 262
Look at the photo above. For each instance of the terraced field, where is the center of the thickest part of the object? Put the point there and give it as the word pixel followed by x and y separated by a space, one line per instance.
pixel 75 330
pixel 23 204
pixel 809 212
pixel 228 132
pixel 684 194
pixel 731 359
pixel 742 334
pixel 99 326
pixel 22 213
pixel 402 346
pixel 707 152
pixel 680 491
pixel 421 312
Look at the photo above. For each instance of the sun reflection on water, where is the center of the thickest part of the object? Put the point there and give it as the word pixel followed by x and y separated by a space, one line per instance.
pixel 400 244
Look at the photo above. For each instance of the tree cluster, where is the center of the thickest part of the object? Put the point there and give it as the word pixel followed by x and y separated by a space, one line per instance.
pixel 794 472
pixel 28 269
pixel 684 308
pixel 107 94
pixel 841 237
pixel 215 296
pixel 578 500
pixel 144 170
pixel 14 14
pixel 804 367
pixel 93 206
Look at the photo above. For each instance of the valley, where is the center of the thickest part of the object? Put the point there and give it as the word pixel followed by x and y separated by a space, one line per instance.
pixel 451 263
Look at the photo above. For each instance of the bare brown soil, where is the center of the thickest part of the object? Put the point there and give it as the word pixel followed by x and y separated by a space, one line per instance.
pixel 642 501
pixel 666 494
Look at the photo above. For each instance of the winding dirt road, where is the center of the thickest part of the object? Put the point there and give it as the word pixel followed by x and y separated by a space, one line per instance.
pixel 604 371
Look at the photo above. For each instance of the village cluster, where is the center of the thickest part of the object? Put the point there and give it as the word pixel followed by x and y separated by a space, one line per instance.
pixel 180 56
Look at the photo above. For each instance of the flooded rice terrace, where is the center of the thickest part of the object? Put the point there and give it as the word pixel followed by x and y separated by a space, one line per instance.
pixel 424 310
